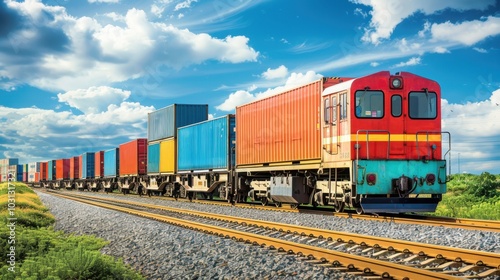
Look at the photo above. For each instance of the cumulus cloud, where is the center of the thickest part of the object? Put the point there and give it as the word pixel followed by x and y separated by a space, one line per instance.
pixel 104 1
pixel 184 5
pixel 32 133
pixel 277 73
pixel 244 96
pixel 52 50
pixel 467 33
pixel 387 14
pixel 411 62
pixel 93 99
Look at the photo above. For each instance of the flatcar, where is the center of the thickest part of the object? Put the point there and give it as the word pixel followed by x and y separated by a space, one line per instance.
pixel 372 143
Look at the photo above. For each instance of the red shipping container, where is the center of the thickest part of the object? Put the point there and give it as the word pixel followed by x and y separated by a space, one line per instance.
pixel 74 168
pixel 99 164
pixel 62 169
pixel 282 128
pixel 134 157
pixel 37 177
pixel 43 170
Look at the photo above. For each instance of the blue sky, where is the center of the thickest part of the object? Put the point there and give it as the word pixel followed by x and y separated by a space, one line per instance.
pixel 80 76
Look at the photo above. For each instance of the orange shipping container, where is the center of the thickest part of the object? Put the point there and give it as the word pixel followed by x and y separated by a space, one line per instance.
pixel 134 157
pixel 99 164
pixel 74 168
pixel 281 128
pixel 62 169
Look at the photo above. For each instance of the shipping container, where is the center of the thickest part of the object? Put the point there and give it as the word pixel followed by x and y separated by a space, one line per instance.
pixel 44 175
pixel 88 166
pixel 32 167
pixel 164 122
pixel 280 128
pixel 33 177
pixel 51 170
pixel 134 157
pixel 25 167
pixel 80 166
pixel 37 177
pixel 74 168
pixel 207 145
pixel 153 158
pixel 62 169
pixel 99 164
pixel 168 156
pixel 6 162
pixel 111 162
pixel 25 176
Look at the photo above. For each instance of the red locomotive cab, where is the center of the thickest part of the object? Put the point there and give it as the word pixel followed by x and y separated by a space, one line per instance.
pixel 396 117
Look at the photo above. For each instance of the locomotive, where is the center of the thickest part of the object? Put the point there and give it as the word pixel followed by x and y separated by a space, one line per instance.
pixel 372 143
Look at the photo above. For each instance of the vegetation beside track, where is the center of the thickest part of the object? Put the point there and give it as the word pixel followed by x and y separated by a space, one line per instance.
pixel 472 196
pixel 36 251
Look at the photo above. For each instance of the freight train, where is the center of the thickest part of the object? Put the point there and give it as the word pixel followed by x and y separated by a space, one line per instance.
pixel 372 143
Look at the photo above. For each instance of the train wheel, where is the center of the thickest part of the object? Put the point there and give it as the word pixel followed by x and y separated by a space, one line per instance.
pixel 339 206
pixel 294 205
pixel 359 210
pixel 264 201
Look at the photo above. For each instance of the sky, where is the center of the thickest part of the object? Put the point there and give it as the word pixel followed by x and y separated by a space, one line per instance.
pixel 81 76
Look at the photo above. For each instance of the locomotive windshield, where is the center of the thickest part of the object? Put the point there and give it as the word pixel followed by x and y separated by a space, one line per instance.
pixel 369 104
pixel 423 105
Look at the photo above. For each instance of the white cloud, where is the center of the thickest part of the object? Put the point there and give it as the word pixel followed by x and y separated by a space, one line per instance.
pixel 480 50
pixel 477 144
pixel 467 33
pixel 93 99
pixel 411 62
pixel 387 14
pixel 242 96
pixel 277 73
pixel 184 5
pixel 440 49
pixel 374 64
pixel 86 53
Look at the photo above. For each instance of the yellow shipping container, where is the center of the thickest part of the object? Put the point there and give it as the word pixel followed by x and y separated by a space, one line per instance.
pixel 168 156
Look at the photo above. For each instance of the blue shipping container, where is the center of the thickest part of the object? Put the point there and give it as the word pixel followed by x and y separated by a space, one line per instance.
pixel 164 122
pixel 52 170
pixel 207 145
pixel 88 165
pixel 154 158
pixel 111 162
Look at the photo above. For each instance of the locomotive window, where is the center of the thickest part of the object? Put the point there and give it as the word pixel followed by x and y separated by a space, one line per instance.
pixel 369 104
pixel 327 109
pixel 396 105
pixel 343 106
pixel 422 105
pixel 334 104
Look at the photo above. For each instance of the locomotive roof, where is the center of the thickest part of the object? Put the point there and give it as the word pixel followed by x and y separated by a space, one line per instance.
pixel 338 87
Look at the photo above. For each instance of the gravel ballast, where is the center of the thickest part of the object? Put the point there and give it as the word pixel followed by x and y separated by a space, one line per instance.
pixel 162 251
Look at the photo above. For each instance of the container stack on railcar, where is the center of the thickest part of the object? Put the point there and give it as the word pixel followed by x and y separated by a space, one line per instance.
pixel 111 169
pixel 162 143
pixel 133 165
pixel 206 159
pixel 280 135
pixel 33 172
pixel 5 168
pixel 97 184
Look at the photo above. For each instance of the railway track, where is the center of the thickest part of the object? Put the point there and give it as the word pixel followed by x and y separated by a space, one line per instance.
pixel 367 256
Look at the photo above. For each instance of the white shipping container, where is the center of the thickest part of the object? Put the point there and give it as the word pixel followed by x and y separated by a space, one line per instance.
pixel 32 167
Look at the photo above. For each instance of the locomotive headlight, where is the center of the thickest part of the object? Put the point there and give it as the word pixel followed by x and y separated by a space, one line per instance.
pixel 396 82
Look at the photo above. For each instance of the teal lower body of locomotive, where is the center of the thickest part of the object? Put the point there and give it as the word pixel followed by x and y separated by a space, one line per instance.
pixel 400 185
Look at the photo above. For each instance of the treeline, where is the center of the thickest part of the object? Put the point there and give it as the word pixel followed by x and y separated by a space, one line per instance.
pixel 31 249
pixel 472 196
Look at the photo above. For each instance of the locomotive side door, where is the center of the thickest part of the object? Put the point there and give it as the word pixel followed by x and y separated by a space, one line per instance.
pixel 329 124
pixel 397 124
